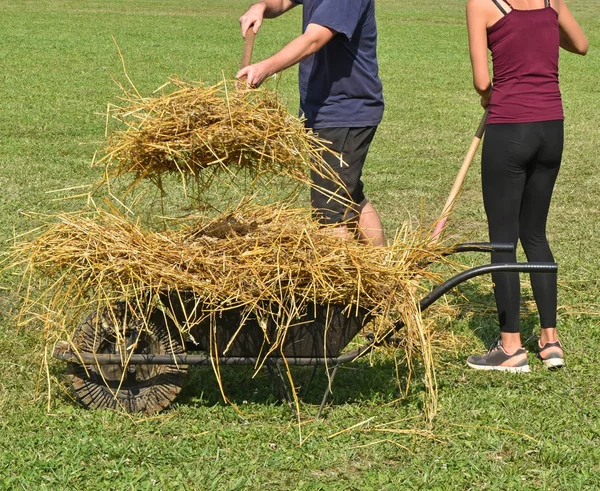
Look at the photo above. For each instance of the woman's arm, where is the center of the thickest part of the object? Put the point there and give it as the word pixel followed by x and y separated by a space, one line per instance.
pixel 478 49
pixel 267 9
pixel 572 37
pixel 313 39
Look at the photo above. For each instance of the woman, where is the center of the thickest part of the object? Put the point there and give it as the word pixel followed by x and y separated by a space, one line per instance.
pixel 521 154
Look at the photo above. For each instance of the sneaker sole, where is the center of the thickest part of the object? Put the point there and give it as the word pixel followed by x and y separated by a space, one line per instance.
pixel 521 369
pixel 554 363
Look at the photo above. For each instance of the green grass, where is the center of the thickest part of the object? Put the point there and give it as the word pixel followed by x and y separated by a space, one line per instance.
pixel 492 431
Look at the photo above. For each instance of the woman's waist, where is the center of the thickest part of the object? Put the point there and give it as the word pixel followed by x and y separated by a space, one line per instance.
pixel 522 108
pixel 532 90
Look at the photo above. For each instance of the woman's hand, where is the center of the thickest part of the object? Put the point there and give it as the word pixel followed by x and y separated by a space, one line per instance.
pixel 485 98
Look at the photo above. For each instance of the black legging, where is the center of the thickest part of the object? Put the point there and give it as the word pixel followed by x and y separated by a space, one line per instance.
pixel 520 163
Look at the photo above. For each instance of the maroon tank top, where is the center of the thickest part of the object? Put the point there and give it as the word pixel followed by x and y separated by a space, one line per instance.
pixel 524 46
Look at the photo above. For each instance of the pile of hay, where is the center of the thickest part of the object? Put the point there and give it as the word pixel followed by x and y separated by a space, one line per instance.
pixel 271 262
pixel 248 258
pixel 197 131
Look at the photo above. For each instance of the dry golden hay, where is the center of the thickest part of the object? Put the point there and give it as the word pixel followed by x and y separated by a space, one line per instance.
pixel 197 131
pixel 271 262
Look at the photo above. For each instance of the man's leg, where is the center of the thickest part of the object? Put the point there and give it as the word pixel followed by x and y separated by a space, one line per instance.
pixel 370 228
pixel 353 145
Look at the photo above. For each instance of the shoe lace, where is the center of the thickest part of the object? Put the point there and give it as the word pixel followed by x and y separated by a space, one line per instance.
pixel 495 345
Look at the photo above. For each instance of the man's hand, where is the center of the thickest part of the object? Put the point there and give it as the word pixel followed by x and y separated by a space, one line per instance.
pixel 253 18
pixel 266 9
pixel 255 74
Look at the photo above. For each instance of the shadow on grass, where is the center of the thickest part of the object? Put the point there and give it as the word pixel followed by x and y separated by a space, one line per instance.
pixel 355 382
pixel 478 296
pixel 359 382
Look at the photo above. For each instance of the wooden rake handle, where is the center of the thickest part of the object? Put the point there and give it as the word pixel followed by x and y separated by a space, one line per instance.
pixel 458 182
pixel 248 46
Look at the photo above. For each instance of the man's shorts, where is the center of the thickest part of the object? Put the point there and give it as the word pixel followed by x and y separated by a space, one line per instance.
pixel 353 145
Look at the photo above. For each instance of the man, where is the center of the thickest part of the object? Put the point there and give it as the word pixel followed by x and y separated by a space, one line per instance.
pixel 340 95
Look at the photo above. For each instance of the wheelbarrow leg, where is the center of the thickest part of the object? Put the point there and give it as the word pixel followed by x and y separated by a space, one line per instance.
pixel 327 391
pixel 283 388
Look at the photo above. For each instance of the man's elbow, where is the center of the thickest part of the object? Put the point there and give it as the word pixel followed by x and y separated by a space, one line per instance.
pixel 311 45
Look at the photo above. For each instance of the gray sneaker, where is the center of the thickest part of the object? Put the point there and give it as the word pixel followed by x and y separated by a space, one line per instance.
pixel 498 359
pixel 554 356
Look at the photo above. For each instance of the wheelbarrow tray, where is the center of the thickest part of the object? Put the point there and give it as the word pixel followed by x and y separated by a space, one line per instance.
pixel 320 332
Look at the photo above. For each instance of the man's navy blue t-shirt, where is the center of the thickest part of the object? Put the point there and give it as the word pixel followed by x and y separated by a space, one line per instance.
pixel 339 84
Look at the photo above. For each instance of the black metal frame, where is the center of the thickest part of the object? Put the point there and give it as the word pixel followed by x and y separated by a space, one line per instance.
pixel 63 351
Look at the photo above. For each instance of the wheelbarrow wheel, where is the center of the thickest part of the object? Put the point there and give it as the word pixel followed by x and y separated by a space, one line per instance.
pixel 143 389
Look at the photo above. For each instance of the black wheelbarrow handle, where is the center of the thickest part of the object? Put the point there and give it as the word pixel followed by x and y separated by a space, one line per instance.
pixel 481 247
pixel 445 287
pixel 475 247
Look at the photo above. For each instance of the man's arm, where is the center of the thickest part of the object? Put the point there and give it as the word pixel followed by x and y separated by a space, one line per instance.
pixel 267 9
pixel 313 39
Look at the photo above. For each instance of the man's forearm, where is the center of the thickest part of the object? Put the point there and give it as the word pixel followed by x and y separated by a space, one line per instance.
pixel 313 39
pixel 300 48
pixel 274 8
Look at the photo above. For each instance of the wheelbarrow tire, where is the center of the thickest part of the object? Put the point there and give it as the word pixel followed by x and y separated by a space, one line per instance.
pixel 145 389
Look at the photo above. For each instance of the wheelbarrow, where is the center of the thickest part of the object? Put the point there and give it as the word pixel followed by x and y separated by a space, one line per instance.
pixel 157 360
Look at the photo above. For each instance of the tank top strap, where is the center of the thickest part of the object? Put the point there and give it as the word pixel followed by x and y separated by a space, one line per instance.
pixel 502 9
pixel 547 3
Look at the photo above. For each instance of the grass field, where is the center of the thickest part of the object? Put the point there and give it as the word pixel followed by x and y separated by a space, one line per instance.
pixel 492 431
